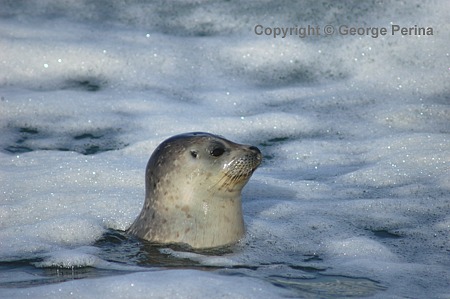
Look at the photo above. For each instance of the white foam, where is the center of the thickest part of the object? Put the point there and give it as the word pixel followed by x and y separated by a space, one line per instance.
pixel 173 284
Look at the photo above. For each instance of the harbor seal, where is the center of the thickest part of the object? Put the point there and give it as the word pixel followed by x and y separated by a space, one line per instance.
pixel 193 186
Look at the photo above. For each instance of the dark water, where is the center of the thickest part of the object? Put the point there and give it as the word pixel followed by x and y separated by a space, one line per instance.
pixel 84 142
pixel 306 281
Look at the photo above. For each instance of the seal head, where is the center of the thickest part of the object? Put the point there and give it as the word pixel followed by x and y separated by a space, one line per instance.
pixel 193 191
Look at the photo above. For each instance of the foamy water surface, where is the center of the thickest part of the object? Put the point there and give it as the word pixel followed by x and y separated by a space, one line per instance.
pixel 353 196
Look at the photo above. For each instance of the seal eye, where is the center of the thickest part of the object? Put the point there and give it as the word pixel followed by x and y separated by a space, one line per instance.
pixel 217 152
pixel 194 154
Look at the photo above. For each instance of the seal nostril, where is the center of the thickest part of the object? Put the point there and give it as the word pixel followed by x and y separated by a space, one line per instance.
pixel 254 148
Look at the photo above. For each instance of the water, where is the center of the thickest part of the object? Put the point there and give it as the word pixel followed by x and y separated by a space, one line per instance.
pixel 352 198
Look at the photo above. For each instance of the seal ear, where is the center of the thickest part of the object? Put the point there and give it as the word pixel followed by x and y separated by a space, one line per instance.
pixel 194 153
